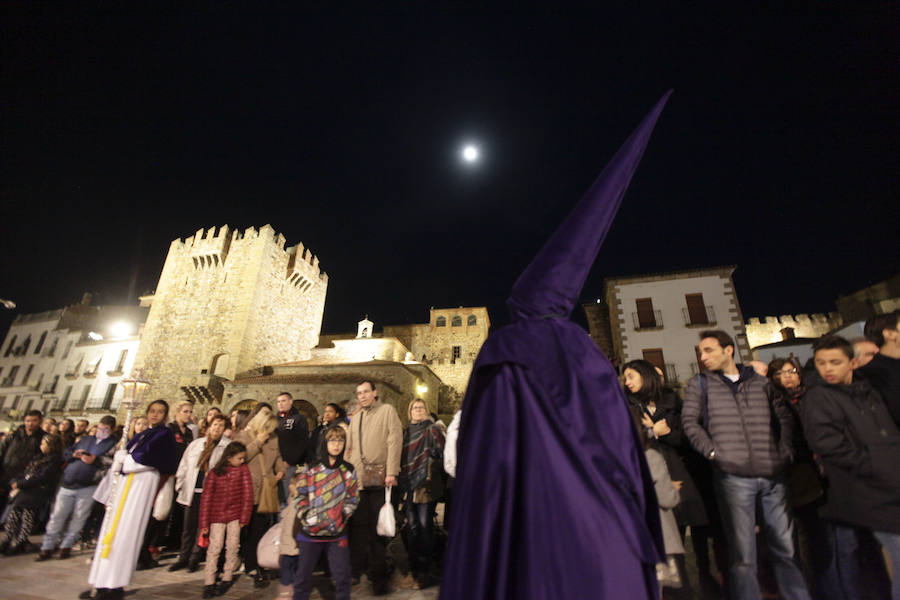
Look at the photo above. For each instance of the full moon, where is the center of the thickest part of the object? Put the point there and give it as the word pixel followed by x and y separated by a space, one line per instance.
pixel 470 153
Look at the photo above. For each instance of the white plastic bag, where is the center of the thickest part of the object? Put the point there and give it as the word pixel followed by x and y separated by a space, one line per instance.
pixel 268 549
pixel 164 499
pixel 387 525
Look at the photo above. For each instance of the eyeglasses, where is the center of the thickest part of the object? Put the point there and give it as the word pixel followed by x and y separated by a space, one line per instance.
pixel 792 371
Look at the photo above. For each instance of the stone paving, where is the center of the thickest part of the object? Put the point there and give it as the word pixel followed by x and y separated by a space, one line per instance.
pixel 21 578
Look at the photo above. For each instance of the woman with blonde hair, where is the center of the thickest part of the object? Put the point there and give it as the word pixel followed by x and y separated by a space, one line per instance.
pixel 421 466
pixel 266 470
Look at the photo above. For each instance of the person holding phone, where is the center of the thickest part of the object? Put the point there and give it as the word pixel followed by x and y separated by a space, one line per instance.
pixel 86 464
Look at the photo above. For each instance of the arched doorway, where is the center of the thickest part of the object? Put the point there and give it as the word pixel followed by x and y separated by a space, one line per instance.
pixel 309 411
pixel 248 404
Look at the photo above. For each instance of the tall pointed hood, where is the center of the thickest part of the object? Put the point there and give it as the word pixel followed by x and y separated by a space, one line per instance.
pixel 552 283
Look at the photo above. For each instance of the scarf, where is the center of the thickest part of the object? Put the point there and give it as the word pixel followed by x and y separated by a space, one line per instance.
pixel 419 443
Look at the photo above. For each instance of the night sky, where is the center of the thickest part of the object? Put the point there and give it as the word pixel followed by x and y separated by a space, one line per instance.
pixel 122 131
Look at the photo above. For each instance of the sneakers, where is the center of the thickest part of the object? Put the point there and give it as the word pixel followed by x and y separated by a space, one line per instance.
pixel 209 591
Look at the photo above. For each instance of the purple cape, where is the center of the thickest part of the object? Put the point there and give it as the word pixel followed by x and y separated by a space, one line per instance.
pixel 155 447
pixel 553 497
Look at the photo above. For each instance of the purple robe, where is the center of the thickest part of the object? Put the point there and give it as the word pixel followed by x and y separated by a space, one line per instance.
pixel 155 447
pixel 553 497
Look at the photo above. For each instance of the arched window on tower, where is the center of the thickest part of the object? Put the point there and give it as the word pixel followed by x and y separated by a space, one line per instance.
pixel 441 322
pixel 472 320
pixel 456 321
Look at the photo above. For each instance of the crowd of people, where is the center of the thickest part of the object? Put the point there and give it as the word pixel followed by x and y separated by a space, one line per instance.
pixel 207 490
pixel 806 452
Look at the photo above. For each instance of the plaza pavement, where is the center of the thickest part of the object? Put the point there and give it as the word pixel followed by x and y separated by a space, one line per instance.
pixel 21 578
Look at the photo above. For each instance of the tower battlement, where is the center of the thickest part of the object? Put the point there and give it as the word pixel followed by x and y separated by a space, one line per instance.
pixel 772 329
pixel 228 301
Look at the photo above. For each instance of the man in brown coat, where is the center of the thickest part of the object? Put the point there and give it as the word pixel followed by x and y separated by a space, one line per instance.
pixel 373 448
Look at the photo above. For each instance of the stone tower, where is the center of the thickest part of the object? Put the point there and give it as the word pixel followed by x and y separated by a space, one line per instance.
pixel 225 303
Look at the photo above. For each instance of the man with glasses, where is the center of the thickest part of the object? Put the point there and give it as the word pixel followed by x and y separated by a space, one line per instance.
pixel 86 464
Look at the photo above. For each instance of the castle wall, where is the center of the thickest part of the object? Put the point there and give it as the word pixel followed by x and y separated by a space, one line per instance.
pixel 432 343
pixel 768 331
pixel 227 302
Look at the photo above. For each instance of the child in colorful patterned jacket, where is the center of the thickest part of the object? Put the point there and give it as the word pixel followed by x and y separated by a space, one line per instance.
pixel 326 495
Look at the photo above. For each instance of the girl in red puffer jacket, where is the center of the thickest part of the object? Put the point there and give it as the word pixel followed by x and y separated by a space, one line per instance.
pixel 225 507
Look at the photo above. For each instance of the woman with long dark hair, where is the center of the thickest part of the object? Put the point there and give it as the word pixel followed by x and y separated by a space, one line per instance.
pixel 30 491
pixel 142 470
pixel 660 418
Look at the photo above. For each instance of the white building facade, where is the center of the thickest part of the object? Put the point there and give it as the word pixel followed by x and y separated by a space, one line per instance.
pixel 658 318
pixel 67 362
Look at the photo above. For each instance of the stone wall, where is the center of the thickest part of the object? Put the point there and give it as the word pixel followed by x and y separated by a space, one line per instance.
pixel 228 302
pixel 432 343
pixel 320 384
pixel 770 329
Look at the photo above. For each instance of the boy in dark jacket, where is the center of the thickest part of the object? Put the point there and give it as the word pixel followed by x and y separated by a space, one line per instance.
pixel 850 428
pixel 326 496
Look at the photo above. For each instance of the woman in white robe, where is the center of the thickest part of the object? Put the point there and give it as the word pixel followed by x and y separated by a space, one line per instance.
pixel 142 471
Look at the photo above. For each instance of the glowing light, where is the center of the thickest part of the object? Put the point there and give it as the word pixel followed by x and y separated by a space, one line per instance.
pixel 95 336
pixel 120 329
pixel 470 154
pixel 421 389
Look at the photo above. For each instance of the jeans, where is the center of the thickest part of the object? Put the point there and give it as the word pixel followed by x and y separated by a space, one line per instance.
pixel 891 543
pixel 737 498
pixel 338 554
pixel 285 493
pixel 287 567
pixel 76 504
pixel 858 570
pixel 421 536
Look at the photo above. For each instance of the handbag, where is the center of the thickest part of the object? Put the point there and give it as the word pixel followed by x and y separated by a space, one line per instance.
pixel 432 488
pixel 268 549
pixel 164 499
pixel 387 524
pixel 268 495
pixel 373 475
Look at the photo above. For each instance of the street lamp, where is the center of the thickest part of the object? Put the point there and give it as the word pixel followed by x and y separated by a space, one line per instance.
pixel 134 387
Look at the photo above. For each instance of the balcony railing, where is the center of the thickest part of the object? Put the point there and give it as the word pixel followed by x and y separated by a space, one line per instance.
pixel 708 319
pixel 76 404
pixel 671 373
pixel 99 403
pixel 655 322
pixel 7 382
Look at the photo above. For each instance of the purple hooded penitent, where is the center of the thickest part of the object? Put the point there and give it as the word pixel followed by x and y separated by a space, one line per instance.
pixel 553 497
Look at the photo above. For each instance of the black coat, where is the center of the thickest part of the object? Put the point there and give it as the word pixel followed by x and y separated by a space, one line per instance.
pixel 804 482
pixel 17 450
pixel 293 437
pixel 674 446
pixel 850 428
pixel 38 484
